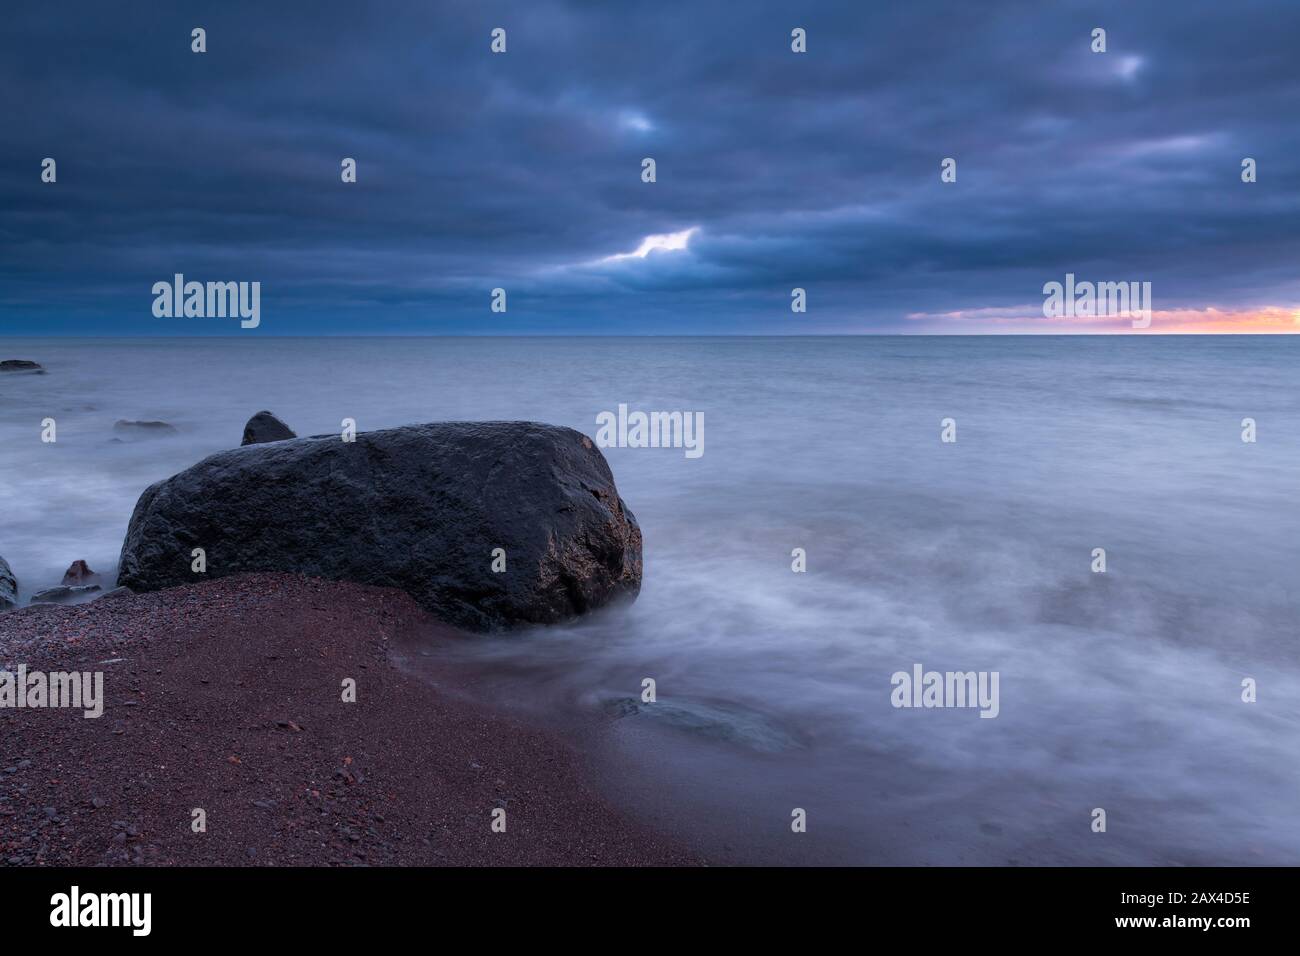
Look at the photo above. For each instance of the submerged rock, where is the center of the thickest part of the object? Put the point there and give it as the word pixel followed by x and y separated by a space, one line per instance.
pixel 8 587
pixel 730 723
pixel 21 365
pixel 66 595
pixel 428 509
pixel 265 427
pixel 143 429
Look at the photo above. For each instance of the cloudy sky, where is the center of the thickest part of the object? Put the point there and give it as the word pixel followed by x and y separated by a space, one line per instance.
pixel 522 170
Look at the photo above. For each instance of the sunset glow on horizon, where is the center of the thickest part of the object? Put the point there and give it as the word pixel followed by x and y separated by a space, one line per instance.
pixel 1212 320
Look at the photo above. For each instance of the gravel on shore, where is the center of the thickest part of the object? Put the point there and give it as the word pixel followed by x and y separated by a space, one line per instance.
pixel 226 696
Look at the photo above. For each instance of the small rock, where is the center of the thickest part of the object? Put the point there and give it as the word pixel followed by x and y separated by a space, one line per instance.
pixel 79 574
pixel 265 427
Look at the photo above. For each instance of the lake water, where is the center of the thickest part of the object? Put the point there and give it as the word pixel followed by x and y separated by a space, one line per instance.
pixel 1120 690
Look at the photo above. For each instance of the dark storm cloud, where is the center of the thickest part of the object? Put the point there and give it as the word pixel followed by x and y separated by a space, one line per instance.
pixel 523 170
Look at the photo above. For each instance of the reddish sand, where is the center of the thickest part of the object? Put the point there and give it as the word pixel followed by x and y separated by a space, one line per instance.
pixel 227 697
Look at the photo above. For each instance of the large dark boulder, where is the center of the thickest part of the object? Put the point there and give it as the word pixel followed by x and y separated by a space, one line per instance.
pixel 264 427
pixel 8 587
pixel 419 508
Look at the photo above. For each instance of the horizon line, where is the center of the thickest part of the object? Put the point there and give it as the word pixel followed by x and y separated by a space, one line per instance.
pixel 674 335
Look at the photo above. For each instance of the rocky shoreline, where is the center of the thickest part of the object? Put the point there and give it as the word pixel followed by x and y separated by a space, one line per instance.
pixel 251 713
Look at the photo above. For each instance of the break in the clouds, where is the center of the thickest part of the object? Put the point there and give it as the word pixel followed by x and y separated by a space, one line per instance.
pixel 523 170
pixel 671 242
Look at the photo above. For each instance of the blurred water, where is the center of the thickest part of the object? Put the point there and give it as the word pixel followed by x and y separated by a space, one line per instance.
pixel 1119 691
